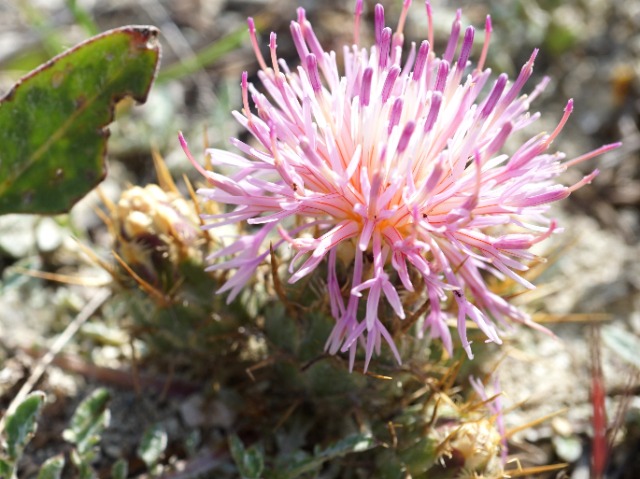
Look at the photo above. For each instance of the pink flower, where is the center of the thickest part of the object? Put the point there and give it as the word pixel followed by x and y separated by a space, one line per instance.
pixel 397 165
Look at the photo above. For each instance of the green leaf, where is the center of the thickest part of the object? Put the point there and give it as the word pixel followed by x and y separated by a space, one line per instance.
pixel 281 329
pixel 22 424
pixel 353 443
pixel 421 456
pixel 250 462
pixel 52 122
pixel 6 469
pixel 348 445
pixel 389 465
pixel 624 344
pixel 154 442
pixel 83 463
pixel 88 422
pixel 120 469
pixel 52 468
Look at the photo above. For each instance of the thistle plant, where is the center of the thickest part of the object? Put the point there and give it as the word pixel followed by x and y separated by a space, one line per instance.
pixel 390 186
pixel 394 175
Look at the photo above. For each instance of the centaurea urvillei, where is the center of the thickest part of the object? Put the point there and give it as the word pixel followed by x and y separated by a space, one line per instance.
pixel 400 163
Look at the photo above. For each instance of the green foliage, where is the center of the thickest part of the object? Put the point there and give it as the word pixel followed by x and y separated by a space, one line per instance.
pixel 52 121
pixel 420 456
pixel 152 446
pixel 280 329
pixel 351 444
pixel 88 421
pixel 250 462
pixel 84 432
pixel 20 426
pixel 52 468
pixel 562 35
pixel 87 424
pixel 6 469
pixel 120 469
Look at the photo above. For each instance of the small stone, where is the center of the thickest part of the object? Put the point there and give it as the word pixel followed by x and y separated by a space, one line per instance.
pixel 569 448
pixel 48 235
pixel 191 411
pixel 561 426
pixel 17 238
pixel 220 415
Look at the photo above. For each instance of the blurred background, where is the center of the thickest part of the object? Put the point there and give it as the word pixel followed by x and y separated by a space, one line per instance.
pixel 589 48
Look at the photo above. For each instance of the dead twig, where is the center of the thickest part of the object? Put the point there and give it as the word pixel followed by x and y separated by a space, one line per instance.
pixel 163 385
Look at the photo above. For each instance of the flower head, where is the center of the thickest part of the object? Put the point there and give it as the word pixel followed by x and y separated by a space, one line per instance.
pixel 398 162
pixel 155 231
